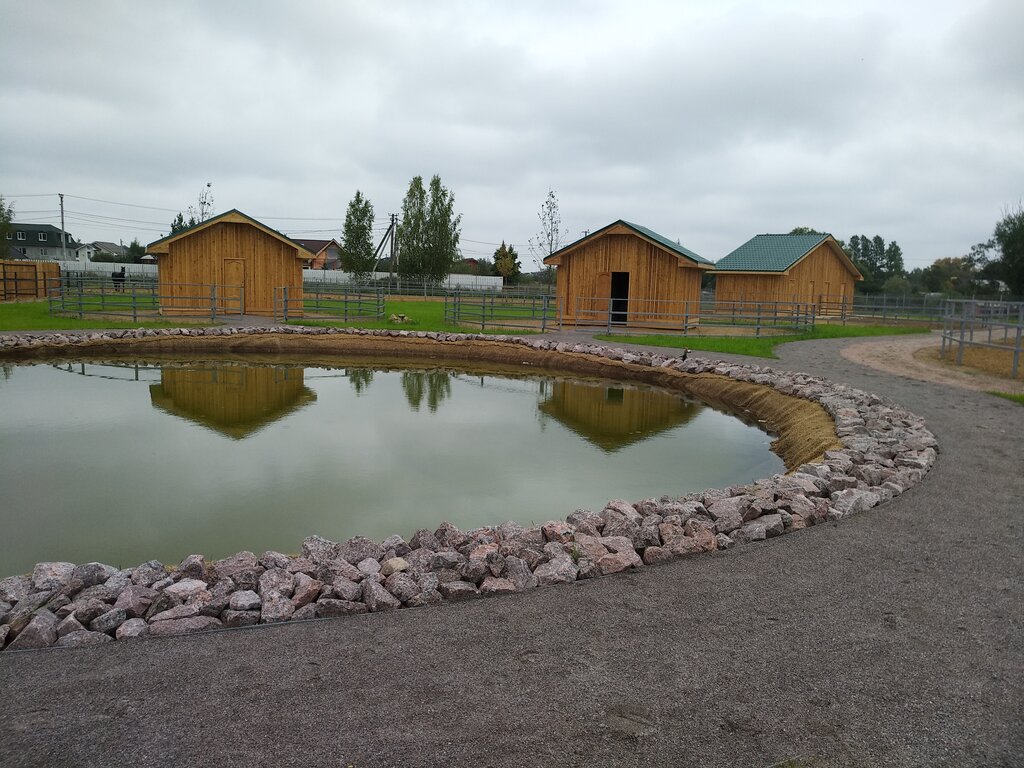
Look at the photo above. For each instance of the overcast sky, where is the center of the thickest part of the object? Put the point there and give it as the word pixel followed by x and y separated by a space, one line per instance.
pixel 708 122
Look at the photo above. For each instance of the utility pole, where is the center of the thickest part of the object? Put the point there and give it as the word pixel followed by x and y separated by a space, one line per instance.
pixel 392 232
pixel 63 234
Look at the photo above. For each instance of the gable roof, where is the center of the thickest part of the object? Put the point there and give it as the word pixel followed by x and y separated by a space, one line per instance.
pixel 648 234
pixel 779 253
pixel 315 246
pixel 234 216
pixel 114 248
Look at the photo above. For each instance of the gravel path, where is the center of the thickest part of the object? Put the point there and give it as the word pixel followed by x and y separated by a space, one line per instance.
pixel 901 355
pixel 893 638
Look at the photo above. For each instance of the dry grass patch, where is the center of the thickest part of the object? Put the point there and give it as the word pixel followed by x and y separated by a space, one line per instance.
pixel 997 362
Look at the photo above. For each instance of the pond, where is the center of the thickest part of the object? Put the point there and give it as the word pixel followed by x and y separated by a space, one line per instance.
pixel 125 461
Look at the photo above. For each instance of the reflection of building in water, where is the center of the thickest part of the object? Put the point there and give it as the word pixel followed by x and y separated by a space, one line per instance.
pixel 236 401
pixel 614 417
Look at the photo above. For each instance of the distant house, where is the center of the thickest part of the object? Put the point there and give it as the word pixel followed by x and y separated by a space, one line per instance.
pixel 101 249
pixel 242 261
pixel 39 242
pixel 626 273
pixel 811 269
pixel 326 253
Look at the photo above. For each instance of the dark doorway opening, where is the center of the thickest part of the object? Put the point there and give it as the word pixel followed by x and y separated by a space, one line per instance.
pixel 620 296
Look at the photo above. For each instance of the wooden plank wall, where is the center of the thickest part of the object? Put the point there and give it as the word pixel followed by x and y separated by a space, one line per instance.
pixel 196 262
pixel 26 279
pixel 820 274
pixel 655 276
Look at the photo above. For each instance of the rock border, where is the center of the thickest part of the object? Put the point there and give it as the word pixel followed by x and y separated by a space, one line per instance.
pixel 885 450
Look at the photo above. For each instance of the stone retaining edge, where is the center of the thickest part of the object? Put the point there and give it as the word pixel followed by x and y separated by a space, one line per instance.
pixel 885 450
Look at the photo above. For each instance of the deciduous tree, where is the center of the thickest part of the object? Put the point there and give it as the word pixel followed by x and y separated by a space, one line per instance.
pixel 6 217
pixel 551 235
pixel 1009 238
pixel 357 238
pixel 506 262
pixel 428 234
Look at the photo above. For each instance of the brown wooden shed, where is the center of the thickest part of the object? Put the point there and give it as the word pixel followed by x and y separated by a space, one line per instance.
pixel 625 273
pixel 233 256
pixel 807 269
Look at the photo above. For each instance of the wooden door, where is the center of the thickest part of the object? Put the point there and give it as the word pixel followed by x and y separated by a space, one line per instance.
pixel 603 294
pixel 232 287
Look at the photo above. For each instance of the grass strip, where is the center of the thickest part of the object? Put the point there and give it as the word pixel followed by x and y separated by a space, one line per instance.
pixel 35 316
pixel 421 316
pixel 1011 396
pixel 763 346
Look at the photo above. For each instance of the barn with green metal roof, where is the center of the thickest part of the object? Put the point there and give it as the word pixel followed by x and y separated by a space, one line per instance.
pixel 808 269
pixel 626 273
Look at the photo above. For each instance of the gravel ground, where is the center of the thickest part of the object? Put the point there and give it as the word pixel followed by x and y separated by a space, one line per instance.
pixel 894 638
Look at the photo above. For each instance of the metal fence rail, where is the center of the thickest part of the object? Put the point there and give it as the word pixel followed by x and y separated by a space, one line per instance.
pixel 706 317
pixel 140 298
pixel 535 312
pixel 329 301
pixel 984 324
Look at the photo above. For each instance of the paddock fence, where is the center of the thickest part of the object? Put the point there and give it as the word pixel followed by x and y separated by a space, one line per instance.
pixel 513 311
pixel 704 317
pixel 140 298
pixel 988 325
pixel 329 301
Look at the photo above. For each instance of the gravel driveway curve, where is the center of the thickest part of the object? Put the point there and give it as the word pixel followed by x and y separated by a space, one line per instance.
pixel 893 638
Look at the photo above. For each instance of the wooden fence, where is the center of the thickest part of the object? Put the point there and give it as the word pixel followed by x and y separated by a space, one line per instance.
pixel 26 279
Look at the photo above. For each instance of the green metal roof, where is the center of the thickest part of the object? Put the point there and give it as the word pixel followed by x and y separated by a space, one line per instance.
pixel 648 233
pixel 769 253
pixel 672 246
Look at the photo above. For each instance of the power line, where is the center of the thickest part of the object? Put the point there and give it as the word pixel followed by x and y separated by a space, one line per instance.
pixel 128 205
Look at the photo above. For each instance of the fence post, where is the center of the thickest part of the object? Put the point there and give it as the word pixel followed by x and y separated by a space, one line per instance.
pixel 213 302
pixel 135 309
pixel 544 316
pixel 284 304
pixel 963 331
pixel 757 324
pixel 1016 354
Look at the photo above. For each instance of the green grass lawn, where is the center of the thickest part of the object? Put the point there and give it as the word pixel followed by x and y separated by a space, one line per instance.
pixel 1019 399
pixel 422 316
pixel 35 316
pixel 763 346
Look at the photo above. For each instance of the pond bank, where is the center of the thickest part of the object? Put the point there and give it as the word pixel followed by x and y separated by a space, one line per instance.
pixel 848 450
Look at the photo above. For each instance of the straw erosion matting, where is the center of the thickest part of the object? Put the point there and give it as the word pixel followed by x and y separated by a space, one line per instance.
pixel 846 451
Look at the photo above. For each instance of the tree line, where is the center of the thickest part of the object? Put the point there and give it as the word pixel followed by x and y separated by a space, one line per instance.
pixel 980 272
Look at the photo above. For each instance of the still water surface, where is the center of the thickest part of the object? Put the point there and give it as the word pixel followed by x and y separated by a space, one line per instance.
pixel 122 463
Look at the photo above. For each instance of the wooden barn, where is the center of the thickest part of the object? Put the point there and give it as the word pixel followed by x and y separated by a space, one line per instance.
pixel 234 257
pixel 625 273
pixel 811 269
